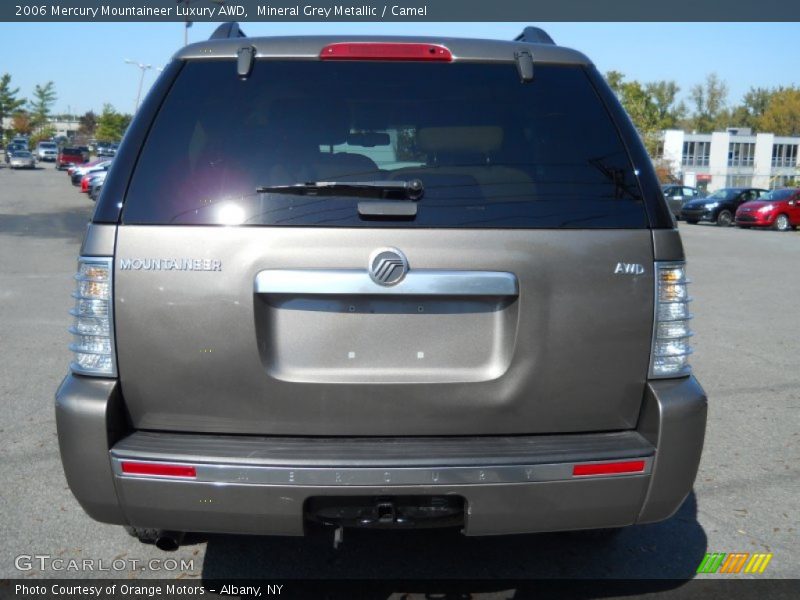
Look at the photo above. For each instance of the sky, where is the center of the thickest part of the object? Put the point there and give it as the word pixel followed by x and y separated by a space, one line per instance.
pixel 86 61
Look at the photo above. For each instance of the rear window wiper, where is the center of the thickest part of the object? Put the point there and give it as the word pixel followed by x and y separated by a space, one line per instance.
pixel 407 190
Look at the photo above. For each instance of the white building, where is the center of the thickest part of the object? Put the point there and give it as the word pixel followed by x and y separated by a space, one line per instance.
pixel 732 158
pixel 63 127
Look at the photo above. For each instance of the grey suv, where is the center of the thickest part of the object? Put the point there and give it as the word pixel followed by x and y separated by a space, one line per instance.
pixel 380 282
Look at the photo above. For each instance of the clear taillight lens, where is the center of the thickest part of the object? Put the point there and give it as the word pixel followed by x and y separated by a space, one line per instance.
pixel 671 333
pixel 92 332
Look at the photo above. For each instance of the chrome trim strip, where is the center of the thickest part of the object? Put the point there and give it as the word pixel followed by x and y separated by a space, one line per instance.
pixel 331 476
pixel 418 282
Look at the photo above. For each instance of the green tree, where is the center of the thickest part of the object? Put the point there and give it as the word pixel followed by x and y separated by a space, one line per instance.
pixel 756 101
pixel 9 102
pixel 44 96
pixel 615 79
pixel 88 124
pixel 639 105
pixel 753 106
pixel 782 115
pixel 21 123
pixel 664 95
pixel 45 133
pixel 111 125
pixel 709 99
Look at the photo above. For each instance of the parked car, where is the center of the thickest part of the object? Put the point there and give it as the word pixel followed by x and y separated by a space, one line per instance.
pixel 47 151
pixel 106 148
pixel 90 174
pixel 719 207
pixel 69 156
pixel 22 159
pixel 96 185
pixel 678 195
pixel 779 209
pixel 10 149
pixel 476 337
pixel 94 166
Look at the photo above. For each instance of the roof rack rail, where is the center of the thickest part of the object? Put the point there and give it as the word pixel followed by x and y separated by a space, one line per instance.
pixel 227 30
pixel 534 35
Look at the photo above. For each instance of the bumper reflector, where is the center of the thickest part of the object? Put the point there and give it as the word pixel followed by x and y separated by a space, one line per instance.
pixel 615 468
pixel 158 469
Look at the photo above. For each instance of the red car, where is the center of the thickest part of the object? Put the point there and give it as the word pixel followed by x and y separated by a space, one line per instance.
pixel 779 209
pixel 84 167
pixel 69 156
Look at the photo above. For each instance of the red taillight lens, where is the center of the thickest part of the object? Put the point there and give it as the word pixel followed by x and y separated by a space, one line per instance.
pixel 159 469
pixel 385 51
pixel 631 466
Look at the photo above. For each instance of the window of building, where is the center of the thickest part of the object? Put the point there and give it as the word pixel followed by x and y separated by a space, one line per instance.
pixel 781 181
pixel 695 154
pixel 741 154
pixel 734 181
pixel 784 155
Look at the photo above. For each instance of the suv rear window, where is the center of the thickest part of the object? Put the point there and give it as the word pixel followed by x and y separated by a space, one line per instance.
pixel 489 150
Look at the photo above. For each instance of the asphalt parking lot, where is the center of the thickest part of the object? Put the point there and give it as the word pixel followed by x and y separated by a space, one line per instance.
pixel 746 498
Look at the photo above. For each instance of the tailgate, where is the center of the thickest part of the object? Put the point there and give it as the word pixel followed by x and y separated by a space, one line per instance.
pixel 202 347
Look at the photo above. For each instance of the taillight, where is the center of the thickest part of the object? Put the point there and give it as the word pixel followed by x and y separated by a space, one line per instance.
pixel 613 468
pixel 385 51
pixel 92 330
pixel 671 332
pixel 158 469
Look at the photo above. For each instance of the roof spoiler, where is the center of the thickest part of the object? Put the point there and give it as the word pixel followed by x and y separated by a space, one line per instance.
pixel 534 35
pixel 227 30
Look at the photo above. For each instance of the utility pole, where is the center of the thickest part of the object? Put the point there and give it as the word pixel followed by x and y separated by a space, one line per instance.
pixel 142 68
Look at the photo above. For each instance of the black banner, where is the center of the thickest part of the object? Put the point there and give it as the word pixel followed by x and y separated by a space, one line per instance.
pixel 405 10
pixel 130 589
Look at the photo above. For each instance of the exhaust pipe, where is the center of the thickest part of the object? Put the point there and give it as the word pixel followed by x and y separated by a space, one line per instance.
pixel 169 541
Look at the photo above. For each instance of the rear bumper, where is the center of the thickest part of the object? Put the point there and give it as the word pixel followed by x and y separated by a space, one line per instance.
pixel 244 484
pixel 755 220
pixel 698 215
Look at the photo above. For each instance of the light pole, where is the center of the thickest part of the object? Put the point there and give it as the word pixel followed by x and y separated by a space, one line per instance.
pixel 142 68
pixel 187 23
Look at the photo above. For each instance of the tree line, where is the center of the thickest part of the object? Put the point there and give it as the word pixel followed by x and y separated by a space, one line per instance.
pixel 654 106
pixel 32 117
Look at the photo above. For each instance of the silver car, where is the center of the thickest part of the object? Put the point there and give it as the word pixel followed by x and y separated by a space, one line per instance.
pixel 21 159
pixel 380 283
pixel 47 151
pixel 96 184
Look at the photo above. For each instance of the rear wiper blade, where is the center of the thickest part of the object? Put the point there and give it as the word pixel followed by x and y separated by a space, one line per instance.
pixel 411 190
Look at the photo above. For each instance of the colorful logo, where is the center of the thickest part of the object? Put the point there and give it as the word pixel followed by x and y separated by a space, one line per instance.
pixel 735 562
